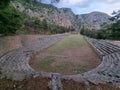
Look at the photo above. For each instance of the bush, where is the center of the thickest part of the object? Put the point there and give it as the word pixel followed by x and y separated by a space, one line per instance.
pixel 111 31
pixel 10 20
pixel 4 3
pixel 45 27
pixel 98 34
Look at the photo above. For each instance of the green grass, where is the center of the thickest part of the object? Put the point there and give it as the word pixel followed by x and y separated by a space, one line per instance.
pixel 46 62
pixel 72 41
pixel 70 67
pixel 63 65
pixel 80 69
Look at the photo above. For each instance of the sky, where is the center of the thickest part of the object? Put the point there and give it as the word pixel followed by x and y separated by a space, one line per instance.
pixel 87 6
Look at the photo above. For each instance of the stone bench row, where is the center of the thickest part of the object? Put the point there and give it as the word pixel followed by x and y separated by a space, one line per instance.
pixel 15 66
pixel 42 43
pixel 103 48
pixel 109 69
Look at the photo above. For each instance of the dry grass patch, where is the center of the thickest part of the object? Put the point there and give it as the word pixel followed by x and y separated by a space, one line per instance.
pixel 71 55
pixel 72 41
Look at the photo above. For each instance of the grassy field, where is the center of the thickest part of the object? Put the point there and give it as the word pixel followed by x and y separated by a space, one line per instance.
pixel 72 55
pixel 46 62
pixel 72 41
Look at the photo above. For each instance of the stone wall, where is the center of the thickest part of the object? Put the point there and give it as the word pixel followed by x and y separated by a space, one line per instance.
pixel 11 43
pixel 15 64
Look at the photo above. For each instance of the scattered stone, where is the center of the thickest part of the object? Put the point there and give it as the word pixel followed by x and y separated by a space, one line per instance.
pixel 55 83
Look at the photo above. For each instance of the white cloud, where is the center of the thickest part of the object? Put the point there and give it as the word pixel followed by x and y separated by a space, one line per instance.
pixel 112 1
pixel 85 3
pixel 84 6
pixel 78 3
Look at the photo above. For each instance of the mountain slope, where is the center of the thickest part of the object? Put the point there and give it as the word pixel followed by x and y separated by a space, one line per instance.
pixel 62 17
pixel 95 20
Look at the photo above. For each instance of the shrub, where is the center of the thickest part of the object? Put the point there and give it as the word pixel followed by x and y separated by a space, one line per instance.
pixel 10 21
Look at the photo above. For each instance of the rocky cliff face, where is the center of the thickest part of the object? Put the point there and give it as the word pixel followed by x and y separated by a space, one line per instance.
pixel 62 16
pixel 95 20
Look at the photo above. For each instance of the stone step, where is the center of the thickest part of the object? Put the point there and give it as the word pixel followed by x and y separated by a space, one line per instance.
pixel 105 48
pixel 109 69
pixel 110 46
pixel 101 49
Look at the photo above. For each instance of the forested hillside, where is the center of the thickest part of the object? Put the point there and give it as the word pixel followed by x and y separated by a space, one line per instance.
pixel 109 31
pixel 13 21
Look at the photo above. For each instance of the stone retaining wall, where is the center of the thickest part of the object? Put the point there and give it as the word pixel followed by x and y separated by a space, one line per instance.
pixel 15 65
pixel 9 43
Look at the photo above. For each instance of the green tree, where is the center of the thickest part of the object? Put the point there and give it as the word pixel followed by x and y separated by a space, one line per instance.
pixel 115 27
pixel 44 23
pixel 10 21
pixel 4 3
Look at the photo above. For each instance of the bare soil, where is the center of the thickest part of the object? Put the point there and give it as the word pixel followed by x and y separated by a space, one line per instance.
pixel 39 83
pixel 73 85
pixel 31 37
pixel 70 61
